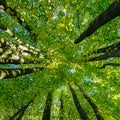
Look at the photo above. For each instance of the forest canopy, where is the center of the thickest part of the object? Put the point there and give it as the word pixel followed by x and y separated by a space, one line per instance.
pixel 59 60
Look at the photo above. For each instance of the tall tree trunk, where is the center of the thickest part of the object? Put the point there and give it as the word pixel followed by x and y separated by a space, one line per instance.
pixel 13 12
pixel 81 111
pixel 105 56
pixel 109 64
pixel 47 109
pixel 93 105
pixel 19 53
pixel 61 109
pixel 11 73
pixel 109 48
pixel 22 111
pixel 15 115
pixel 110 13
pixel 105 53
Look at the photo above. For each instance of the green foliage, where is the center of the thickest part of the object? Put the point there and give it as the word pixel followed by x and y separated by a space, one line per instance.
pixel 54 25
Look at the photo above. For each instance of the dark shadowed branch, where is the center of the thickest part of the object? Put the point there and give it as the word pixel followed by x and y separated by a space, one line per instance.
pixel 109 48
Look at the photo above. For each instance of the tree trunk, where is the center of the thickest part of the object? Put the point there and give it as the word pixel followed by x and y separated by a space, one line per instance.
pixel 106 49
pixel 109 48
pixel 93 105
pixel 61 112
pixel 13 12
pixel 11 73
pixel 109 64
pixel 47 109
pixel 21 111
pixel 105 53
pixel 105 56
pixel 19 53
pixel 110 13
pixel 24 109
pixel 15 115
pixel 81 111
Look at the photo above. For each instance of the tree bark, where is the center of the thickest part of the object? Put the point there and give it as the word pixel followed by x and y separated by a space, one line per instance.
pixel 110 13
pixel 61 109
pixel 11 73
pixel 16 52
pixel 105 56
pixel 109 64
pixel 93 105
pixel 13 12
pixel 105 53
pixel 106 49
pixel 47 109
pixel 22 111
pixel 81 111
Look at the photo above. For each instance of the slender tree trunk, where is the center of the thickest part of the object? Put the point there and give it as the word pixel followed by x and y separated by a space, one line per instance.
pixel 105 53
pixel 81 111
pixel 105 56
pixel 109 48
pixel 61 109
pixel 19 53
pixel 93 105
pixel 106 49
pixel 14 13
pixel 24 109
pixel 110 13
pixel 15 115
pixel 21 111
pixel 109 64
pixel 47 109
pixel 11 73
